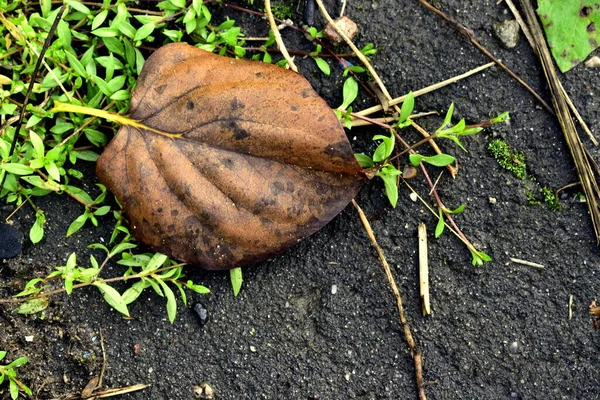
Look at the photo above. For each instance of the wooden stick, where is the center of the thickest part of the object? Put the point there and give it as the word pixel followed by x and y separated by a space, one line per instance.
pixel 398 100
pixel 528 263
pixel 412 344
pixel 278 38
pixel 424 269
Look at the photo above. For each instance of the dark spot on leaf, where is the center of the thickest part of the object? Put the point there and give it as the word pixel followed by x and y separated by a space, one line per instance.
pixel 190 105
pixel 236 104
pixel 306 93
pixel 564 54
pixel 159 209
pixel 174 213
pixel 238 133
pixel 259 74
pixel 160 89
pixel 593 42
pixel 575 61
pixel 591 27
pixel 336 150
pixel 585 11
pixel 294 108
pixel 321 118
pixel 276 188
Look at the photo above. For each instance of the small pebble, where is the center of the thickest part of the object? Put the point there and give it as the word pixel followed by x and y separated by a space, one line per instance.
pixel 492 200
pixel 203 391
pixel 507 32
pixel 346 25
pixel 593 62
pixel 253 349
pixel 334 289
pixel 29 338
pixel 413 196
pixel 202 313
pixel 513 348
pixel 409 172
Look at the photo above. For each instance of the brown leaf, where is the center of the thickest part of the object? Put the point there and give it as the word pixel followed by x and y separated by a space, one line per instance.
pixel 262 162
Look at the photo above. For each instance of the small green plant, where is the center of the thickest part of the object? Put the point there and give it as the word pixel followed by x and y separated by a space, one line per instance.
pixel 550 198
pixel 508 158
pixel 8 372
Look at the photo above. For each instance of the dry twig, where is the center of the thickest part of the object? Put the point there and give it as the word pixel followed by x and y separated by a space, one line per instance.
pixel 424 269
pixel 412 344
pixel 278 38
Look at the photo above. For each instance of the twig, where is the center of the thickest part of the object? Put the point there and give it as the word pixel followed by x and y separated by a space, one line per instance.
pixel 528 263
pixel 424 269
pixel 103 359
pixel 108 392
pixel 414 349
pixel 278 38
pixel 570 307
pixel 463 30
pixel 420 92
pixel 356 51
pixel 578 152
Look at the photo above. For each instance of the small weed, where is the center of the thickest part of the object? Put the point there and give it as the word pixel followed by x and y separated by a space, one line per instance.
pixel 508 158
pixel 283 10
pixel 8 372
pixel 550 198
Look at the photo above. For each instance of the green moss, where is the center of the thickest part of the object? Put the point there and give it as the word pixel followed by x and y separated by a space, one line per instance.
pixel 283 10
pixel 550 198
pixel 508 158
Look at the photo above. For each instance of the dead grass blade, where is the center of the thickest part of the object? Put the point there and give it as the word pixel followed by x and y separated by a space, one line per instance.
pixel 578 152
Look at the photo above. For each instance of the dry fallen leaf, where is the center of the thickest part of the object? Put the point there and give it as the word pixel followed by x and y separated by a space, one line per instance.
pixel 261 161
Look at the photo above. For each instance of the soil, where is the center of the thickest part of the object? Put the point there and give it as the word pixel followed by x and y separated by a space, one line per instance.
pixel 320 321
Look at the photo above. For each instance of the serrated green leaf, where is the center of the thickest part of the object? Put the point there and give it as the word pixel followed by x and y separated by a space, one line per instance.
pixel 112 297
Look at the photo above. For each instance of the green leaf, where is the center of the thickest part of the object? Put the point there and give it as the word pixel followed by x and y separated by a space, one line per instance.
pixel 121 247
pixel 36 233
pixel 155 262
pixel 145 31
pixel 112 297
pixel 32 306
pixel 384 150
pixel 391 187
pixel 77 224
pixel 17 169
pixel 171 302
pixel 235 276
pixel 448 117
pixel 364 160
pixel 99 19
pixel 106 32
pixel 131 294
pixel 350 91
pixel 439 160
pixel 76 65
pixel 323 66
pixel 572 28
pixel 38 144
pixel 200 289
pixel 14 389
pixel 439 229
pixel 407 107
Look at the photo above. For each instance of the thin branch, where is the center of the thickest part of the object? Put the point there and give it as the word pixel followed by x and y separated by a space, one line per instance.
pixel 468 33
pixel 428 89
pixel 412 344
pixel 278 38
